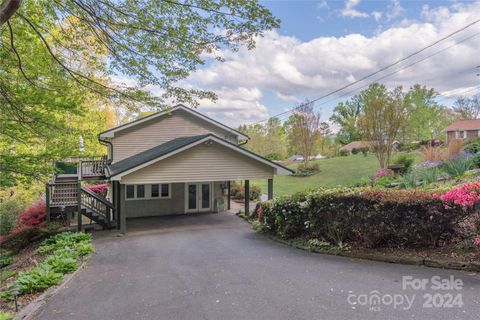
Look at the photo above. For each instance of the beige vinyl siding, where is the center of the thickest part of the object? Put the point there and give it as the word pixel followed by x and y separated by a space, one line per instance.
pixel 203 162
pixel 160 130
pixel 149 207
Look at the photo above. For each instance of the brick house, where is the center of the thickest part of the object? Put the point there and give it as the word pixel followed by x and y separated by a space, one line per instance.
pixel 463 129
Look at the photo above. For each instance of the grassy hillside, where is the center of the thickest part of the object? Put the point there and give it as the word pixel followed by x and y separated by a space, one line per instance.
pixel 339 171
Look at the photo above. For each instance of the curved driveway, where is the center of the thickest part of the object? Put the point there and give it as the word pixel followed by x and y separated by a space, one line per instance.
pixel 214 267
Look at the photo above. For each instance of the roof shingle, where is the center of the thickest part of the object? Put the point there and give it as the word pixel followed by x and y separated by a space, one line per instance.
pixel 473 124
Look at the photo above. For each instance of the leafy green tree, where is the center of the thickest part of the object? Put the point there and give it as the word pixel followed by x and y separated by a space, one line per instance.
pixel 384 114
pixel 346 115
pixel 303 130
pixel 426 118
pixel 268 140
pixel 58 60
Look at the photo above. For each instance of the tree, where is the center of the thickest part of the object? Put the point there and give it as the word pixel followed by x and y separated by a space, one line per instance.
pixel 267 140
pixel 426 118
pixel 468 108
pixel 59 59
pixel 303 129
pixel 384 114
pixel 346 115
pixel 157 43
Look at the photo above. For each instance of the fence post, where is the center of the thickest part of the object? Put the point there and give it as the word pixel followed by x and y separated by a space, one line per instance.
pixel 47 200
pixel 79 203
pixel 79 169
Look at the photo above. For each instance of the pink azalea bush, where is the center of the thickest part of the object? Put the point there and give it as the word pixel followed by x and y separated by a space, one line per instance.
pixel 381 173
pixel 100 189
pixel 476 241
pixel 467 195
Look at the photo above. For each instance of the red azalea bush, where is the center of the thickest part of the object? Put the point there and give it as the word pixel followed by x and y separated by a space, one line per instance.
pixel 31 223
pixel 100 189
pixel 34 216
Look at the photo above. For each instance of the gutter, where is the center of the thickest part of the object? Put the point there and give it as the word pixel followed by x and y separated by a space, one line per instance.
pixel 107 144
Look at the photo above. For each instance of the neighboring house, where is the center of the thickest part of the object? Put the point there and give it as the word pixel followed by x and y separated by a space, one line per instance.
pixel 364 144
pixel 173 162
pixel 355 145
pixel 463 129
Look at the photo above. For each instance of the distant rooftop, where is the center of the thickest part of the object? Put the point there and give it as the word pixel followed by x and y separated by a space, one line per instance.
pixel 473 124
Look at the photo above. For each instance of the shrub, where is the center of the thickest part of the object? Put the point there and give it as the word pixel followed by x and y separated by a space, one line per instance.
pixel 5 316
pixel 387 218
pixel 34 215
pixel 475 161
pixel 355 151
pixel 237 191
pixel 454 147
pixel 273 156
pixel 64 240
pixel 9 211
pixel 63 261
pixel 381 173
pixel 406 160
pixel 456 168
pixel 430 153
pixel 473 146
pixel 343 153
pixel 304 171
pixel 408 180
pixel 364 150
pixel 428 175
pixel 38 279
pixel 100 189
pixel 5 258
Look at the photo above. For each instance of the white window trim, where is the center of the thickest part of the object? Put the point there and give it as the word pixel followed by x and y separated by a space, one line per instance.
pixel 148 192
pixel 160 191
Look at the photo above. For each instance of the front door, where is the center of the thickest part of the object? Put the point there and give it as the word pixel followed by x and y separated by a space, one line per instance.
pixel 198 197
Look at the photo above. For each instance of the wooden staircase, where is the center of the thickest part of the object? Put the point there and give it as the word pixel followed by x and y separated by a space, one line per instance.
pixel 65 196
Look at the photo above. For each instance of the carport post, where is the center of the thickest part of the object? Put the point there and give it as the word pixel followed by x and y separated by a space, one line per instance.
pixel 121 214
pixel 247 197
pixel 270 189
pixel 229 196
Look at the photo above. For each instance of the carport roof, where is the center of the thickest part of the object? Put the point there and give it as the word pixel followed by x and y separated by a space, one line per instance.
pixel 149 156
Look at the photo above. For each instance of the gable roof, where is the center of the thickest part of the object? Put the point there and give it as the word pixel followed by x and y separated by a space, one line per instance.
pixel 174 146
pixel 153 153
pixel 356 145
pixel 111 132
pixel 473 124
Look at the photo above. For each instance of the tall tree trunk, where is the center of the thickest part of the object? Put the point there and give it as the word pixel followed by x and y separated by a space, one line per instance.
pixel 7 9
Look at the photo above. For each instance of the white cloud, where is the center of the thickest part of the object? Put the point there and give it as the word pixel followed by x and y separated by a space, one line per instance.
pixel 395 10
pixel 289 67
pixel 351 12
pixel 377 15
pixel 322 4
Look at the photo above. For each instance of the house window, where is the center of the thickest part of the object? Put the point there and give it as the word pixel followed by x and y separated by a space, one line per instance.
pixel 165 190
pixel 140 191
pixel 130 191
pixel 155 191
pixel 161 190
pixel 461 134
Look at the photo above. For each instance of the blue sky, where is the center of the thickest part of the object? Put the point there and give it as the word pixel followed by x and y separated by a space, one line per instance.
pixel 323 45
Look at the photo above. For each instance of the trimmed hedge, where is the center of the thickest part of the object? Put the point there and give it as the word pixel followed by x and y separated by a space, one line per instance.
pixel 364 217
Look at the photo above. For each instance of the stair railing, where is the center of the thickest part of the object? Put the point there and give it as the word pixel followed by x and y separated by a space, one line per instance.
pixel 98 204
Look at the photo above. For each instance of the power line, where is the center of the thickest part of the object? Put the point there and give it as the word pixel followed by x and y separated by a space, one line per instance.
pixel 378 71
pixel 396 71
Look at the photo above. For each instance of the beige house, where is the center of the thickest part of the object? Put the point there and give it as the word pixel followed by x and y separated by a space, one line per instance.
pixel 177 161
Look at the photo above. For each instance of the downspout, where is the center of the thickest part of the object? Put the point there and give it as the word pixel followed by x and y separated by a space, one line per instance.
pixel 108 144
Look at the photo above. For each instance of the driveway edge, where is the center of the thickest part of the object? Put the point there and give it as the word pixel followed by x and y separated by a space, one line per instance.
pixel 419 261
pixel 34 307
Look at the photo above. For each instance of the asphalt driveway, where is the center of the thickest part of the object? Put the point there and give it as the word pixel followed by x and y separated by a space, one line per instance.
pixel 215 267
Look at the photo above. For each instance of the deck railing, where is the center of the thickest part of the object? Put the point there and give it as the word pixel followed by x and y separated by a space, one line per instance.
pixel 62 194
pixel 93 167
pixel 98 204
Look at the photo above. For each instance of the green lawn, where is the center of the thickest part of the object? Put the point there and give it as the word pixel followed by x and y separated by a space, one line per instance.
pixel 339 171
